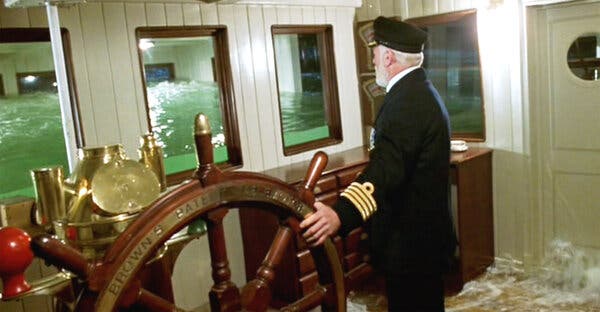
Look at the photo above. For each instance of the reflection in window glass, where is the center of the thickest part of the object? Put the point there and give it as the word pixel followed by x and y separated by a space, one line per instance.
pixel 584 57
pixel 179 91
pixel 159 72
pixel 183 78
pixel 306 83
pixel 452 64
pixel 37 82
pixel 31 133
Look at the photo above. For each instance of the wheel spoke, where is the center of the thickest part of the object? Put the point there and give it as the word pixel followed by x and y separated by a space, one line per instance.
pixel 224 295
pixel 256 295
pixel 152 302
pixel 309 301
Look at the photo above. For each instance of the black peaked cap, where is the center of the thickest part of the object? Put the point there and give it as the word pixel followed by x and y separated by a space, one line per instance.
pixel 399 35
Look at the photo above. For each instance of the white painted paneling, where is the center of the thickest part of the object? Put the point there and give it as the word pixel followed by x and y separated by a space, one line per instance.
pixel 386 8
pixel 463 4
pixel 227 17
pixel 13 17
pixel 197 279
pixel 254 160
pixel 37 17
pixel 70 19
pixel 348 93
pixel 262 84
pixel 576 210
pixel 155 14
pixel 270 18
pixel 191 14
pixel 320 15
pixel 374 9
pixel 403 8
pixel 231 222
pixel 283 15
pixel 308 15
pixel 174 14
pixel 430 7
pixel 99 74
pixel 445 6
pixel 122 76
pixel 136 17
pixel 414 9
pixel 209 14
pixel 362 13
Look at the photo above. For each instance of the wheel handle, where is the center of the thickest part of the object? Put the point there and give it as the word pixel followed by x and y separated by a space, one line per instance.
pixel 15 257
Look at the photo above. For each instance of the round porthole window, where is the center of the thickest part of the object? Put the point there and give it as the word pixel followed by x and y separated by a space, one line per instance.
pixel 584 57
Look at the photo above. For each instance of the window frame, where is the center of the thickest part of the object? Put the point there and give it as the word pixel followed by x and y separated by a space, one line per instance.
pixel 39 34
pixel 224 80
pixel 330 85
pixel 42 35
pixel 2 93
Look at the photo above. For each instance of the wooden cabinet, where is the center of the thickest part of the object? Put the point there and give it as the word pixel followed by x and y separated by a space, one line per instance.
pixel 471 176
pixel 470 172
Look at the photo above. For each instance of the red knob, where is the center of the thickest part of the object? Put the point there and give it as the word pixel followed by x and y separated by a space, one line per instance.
pixel 15 257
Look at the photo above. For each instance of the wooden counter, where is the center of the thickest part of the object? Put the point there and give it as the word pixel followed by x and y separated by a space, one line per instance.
pixel 470 173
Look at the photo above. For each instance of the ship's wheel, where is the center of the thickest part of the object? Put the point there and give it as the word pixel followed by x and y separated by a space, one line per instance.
pixel 115 282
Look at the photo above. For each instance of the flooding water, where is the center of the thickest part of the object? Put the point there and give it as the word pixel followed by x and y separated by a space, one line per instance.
pixel 568 281
pixel 35 120
pixel 173 106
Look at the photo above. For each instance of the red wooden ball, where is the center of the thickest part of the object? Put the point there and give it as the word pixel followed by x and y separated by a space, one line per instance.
pixel 15 257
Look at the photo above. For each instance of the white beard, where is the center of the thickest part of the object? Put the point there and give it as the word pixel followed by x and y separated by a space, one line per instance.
pixel 381 77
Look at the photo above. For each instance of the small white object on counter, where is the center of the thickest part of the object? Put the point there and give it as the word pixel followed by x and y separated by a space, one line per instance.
pixel 458 146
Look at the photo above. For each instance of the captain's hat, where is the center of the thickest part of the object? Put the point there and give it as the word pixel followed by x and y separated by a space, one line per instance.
pixel 398 35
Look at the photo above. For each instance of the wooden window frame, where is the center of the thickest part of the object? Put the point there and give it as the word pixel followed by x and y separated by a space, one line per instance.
pixel 1 85
pixel 224 80
pixel 330 90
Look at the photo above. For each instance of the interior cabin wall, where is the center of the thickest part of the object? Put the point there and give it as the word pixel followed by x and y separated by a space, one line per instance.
pixel 111 100
pixel 501 42
pixel 35 60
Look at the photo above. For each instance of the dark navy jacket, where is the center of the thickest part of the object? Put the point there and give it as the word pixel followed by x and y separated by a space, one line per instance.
pixel 411 231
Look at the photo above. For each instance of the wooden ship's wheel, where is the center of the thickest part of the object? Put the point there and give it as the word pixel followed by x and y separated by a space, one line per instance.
pixel 116 282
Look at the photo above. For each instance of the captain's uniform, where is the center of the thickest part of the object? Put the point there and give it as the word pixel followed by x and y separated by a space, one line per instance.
pixel 402 195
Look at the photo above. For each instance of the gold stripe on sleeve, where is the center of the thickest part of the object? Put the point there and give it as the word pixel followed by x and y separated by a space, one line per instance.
pixel 361 195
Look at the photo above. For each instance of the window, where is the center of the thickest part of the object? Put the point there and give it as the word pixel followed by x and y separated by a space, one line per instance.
pixel 583 57
pixel 159 72
pixel 186 71
pixel 31 82
pixel 307 85
pixel 452 64
pixel 31 128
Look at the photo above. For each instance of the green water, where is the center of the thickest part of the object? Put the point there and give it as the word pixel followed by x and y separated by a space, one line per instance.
pixel 173 106
pixel 34 119
pixel 302 117
pixel 31 134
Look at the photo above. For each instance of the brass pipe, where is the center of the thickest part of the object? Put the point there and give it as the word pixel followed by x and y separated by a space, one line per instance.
pixel 49 196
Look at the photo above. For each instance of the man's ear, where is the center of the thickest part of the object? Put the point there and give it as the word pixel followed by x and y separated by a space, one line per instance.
pixel 388 58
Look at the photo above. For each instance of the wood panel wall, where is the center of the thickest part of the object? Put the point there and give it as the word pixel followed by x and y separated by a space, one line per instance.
pixel 109 87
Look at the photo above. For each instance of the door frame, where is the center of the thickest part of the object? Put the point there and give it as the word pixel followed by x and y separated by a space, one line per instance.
pixel 539 230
